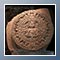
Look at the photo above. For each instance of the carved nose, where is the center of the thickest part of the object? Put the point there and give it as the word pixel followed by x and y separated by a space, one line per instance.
pixel 32 24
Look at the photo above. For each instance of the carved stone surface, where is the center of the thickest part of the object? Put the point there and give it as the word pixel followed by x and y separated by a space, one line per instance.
pixel 32 29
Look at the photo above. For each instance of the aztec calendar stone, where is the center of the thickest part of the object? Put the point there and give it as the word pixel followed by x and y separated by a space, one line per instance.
pixel 32 29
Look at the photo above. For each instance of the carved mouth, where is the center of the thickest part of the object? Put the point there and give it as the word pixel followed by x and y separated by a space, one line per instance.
pixel 28 36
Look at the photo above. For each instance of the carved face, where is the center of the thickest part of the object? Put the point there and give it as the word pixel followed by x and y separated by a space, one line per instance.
pixel 32 30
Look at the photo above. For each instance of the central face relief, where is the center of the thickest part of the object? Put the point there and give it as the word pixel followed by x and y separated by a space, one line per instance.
pixel 31 30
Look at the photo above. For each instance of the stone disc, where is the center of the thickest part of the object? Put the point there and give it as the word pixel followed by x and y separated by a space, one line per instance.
pixel 32 29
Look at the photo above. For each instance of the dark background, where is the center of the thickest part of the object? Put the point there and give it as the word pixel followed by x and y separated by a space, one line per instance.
pixel 13 10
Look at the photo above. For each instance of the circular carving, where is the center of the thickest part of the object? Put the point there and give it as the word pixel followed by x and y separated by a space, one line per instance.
pixel 32 30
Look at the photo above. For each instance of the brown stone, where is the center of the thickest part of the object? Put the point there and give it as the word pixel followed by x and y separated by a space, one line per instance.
pixel 30 30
